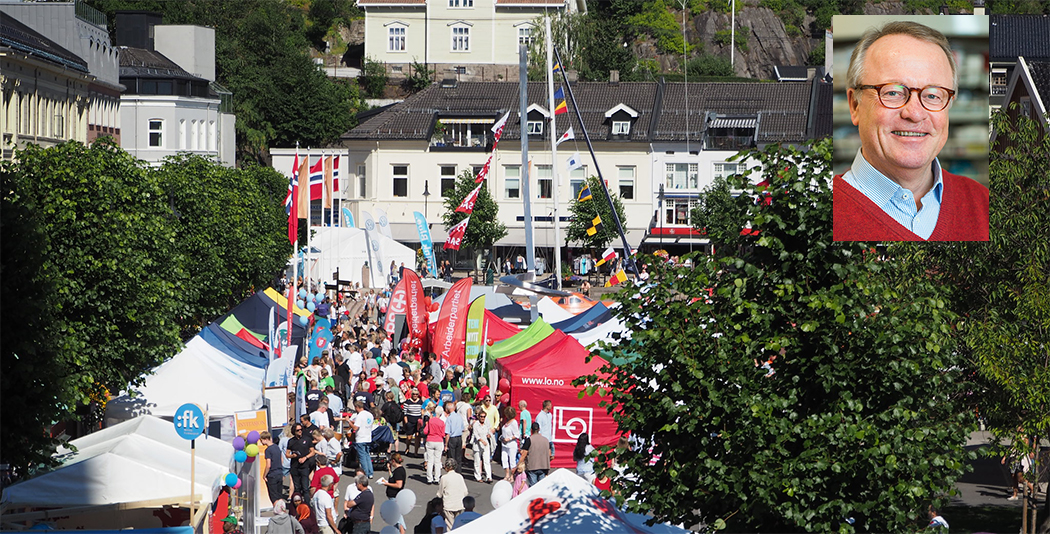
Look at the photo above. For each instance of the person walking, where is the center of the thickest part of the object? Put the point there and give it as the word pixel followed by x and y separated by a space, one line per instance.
pixel 396 482
pixel 546 420
pixel 324 507
pixel 452 489
pixel 362 423
pixel 581 455
pixel 509 436
pixel 301 452
pixel 454 427
pixel 536 451
pixel 434 432
pixel 359 509
pixel 273 469
pixel 479 438
pixel 468 513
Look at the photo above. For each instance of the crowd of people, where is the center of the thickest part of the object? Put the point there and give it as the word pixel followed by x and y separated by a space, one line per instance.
pixel 449 417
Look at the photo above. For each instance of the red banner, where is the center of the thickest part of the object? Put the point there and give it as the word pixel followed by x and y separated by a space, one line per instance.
pixel 417 312
pixel 455 235
pixel 467 206
pixel 398 306
pixel 484 170
pixel 450 331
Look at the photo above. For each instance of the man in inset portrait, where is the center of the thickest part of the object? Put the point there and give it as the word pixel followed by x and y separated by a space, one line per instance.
pixel 902 79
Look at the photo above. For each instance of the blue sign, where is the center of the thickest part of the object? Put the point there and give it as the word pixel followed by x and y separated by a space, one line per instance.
pixel 189 421
pixel 426 243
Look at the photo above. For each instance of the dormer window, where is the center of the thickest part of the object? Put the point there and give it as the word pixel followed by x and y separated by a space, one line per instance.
pixel 621 127
pixel 534 127
pixel 620 119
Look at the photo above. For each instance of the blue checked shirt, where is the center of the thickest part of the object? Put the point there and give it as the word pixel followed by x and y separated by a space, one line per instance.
pixel 896 201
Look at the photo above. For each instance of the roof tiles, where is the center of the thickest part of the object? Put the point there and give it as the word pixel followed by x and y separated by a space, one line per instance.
pixel 1010 36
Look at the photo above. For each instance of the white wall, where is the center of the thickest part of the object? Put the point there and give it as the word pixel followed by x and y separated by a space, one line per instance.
pixel 177 136
pixel 190 47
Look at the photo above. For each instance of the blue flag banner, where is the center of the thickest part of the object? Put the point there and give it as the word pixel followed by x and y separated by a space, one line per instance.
pixel 322 337
pixel 426 242
pixel 349 218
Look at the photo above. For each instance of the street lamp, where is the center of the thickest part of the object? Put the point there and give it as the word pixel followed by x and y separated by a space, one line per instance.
pixel 660 214
pixel 426 197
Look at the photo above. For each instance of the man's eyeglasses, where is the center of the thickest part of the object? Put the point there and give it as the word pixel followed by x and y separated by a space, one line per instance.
pixel 895 95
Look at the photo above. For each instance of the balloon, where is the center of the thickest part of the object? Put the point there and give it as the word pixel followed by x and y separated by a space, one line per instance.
pixel 427 301
pixel 389 529
pixel 253 436
pixel 237 485
pixel 500 493
pixel 300 304
pixel 302 293
pixel 231 479
pixel 303 320
pixel 505 399
pixel 238 443
pixel 390 512
pixel 240 456
pixel 406 500
pixel 504 385
pixel 311 306
pixel 320 297
pixel 434 306
pixel 416 342
pixel 251 450
pixel 491 342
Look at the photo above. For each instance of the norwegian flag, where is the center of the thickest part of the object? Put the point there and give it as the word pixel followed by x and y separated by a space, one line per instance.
pixel 290 206
pixel 467 206
pixel 292 183
pixel 497 129
pixel 317 180
pixel 484 171
pixel 455 235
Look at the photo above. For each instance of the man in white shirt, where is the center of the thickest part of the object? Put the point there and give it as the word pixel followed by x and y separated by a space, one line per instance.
pixel 546 420
pixel 355 360
pixel 395 371
pixel 362 423
pixel 320 418
pixel 324 507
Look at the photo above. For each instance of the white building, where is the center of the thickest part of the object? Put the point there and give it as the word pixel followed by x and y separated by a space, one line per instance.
pixel 646 136
pixel 172 107
pixel 475 40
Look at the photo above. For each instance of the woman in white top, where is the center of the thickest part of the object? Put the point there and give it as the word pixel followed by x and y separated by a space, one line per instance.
pixel 509 438
pixel 581 454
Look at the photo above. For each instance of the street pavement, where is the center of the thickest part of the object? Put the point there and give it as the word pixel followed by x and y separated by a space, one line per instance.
pixel 989 483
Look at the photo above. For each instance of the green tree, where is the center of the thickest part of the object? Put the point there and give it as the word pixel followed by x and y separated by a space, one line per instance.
pixel 720 214
pixel 484 228
pixel 862 416
pixel 1001 287
pixel 232 227
pixel 583 213
pixel 710 65
pixel 373 77
pixel 420 78
pixel 567 30
pixel 657 21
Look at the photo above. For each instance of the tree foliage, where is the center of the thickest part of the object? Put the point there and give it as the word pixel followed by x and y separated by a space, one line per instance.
pixel 1001 287
pixel 583 213
pixel 108 261
pixel 657 21
pixel 373 78
pixel 862 418
pixel 485 227
pixel 720 214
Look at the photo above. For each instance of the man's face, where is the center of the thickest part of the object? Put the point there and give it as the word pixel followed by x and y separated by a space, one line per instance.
pixel 888 136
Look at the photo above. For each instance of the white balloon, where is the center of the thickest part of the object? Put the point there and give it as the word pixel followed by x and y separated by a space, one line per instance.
pixel 501 492
pixel 390 529
pixel 390 512
pixel 406 500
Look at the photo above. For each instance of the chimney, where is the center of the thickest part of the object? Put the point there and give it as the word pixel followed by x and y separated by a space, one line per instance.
pixel 614 77
pixel 978 7
pixel 135 28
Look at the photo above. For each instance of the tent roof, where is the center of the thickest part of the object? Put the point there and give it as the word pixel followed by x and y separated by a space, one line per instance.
pixel 233 346
pixel 585 321
pixel 202 374
pixel 254 314
pixel 493 300
pixel 556 356
pixel 582 509
pixel 137 460
pixel 497 329
pixel 551 312
pixel 535 333
pixel 603 332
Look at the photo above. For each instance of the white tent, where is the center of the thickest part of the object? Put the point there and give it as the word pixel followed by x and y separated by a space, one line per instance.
pixel 135 461
pixel 200 374
pixel 580 508
pixel 603 332
pixel 346 249
pixel 551 312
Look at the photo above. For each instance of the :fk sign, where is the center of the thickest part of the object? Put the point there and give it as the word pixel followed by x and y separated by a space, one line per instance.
pixel 189 421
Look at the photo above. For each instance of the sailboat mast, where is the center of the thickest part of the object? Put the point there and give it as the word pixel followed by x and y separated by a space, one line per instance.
pixel 553 134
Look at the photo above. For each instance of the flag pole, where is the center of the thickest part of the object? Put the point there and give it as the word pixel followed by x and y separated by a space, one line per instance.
pixel 556 178
pixel 627 251
pixel 295 247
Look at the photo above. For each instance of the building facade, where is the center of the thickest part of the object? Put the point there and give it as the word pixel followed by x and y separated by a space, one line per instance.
pixel 469 40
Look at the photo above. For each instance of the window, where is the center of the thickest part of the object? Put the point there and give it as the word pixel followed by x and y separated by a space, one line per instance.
pixel 682 175
pixel 544 176
pixel 476 169
pixel 621 127
pixel 460 3
pixel 525 35
pixel 626 178
pixel 395 39
pixel 361 181
pixel 396 68
pixel 461 39
pixel 676 210
pixel 60 126
pixel 534 127
pixel 461 70
pixel 211 136
pixel 448 180
pixel 577 177
pixel 182 134
pixel 156 133
pixel 998 82
pixel 1026 106
pixel 724 170
pixel 400 180
pixel 512 181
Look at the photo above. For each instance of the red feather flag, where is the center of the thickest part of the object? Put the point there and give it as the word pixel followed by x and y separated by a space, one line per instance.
pixel 455 235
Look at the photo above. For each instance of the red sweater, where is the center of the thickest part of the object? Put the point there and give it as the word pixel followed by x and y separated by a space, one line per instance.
pixel 963 217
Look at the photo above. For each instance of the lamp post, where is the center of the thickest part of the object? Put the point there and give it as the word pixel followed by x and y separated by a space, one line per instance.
pixel 426 197
pixel 660 214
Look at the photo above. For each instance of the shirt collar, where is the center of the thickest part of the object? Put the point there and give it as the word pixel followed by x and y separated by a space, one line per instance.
pixel 880 189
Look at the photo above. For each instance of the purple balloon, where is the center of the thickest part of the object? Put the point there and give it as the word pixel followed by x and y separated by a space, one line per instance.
pixel 238 443
pixel 253 436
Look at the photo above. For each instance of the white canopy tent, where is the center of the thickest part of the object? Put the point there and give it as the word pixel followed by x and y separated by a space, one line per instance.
pixel 602 332
pixel 201 374
pixel 141 460
pixel 346 249
pixel 580 509
pixel 551 312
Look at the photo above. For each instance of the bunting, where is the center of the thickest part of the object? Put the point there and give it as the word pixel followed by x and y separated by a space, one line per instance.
pixel 585 193
pixel 497 129
pixel 608 255
pixel 565 136
pixel 455 235
pixel 596 226
pixel 485 170
pixel 620 276
pixel 467 206
pixel 574 162
pixel 560 107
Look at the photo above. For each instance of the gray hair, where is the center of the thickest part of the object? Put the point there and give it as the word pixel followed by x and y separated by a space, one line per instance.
pixel 362 480
pixel 900 27
pixel 326 480
pixel 450 464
